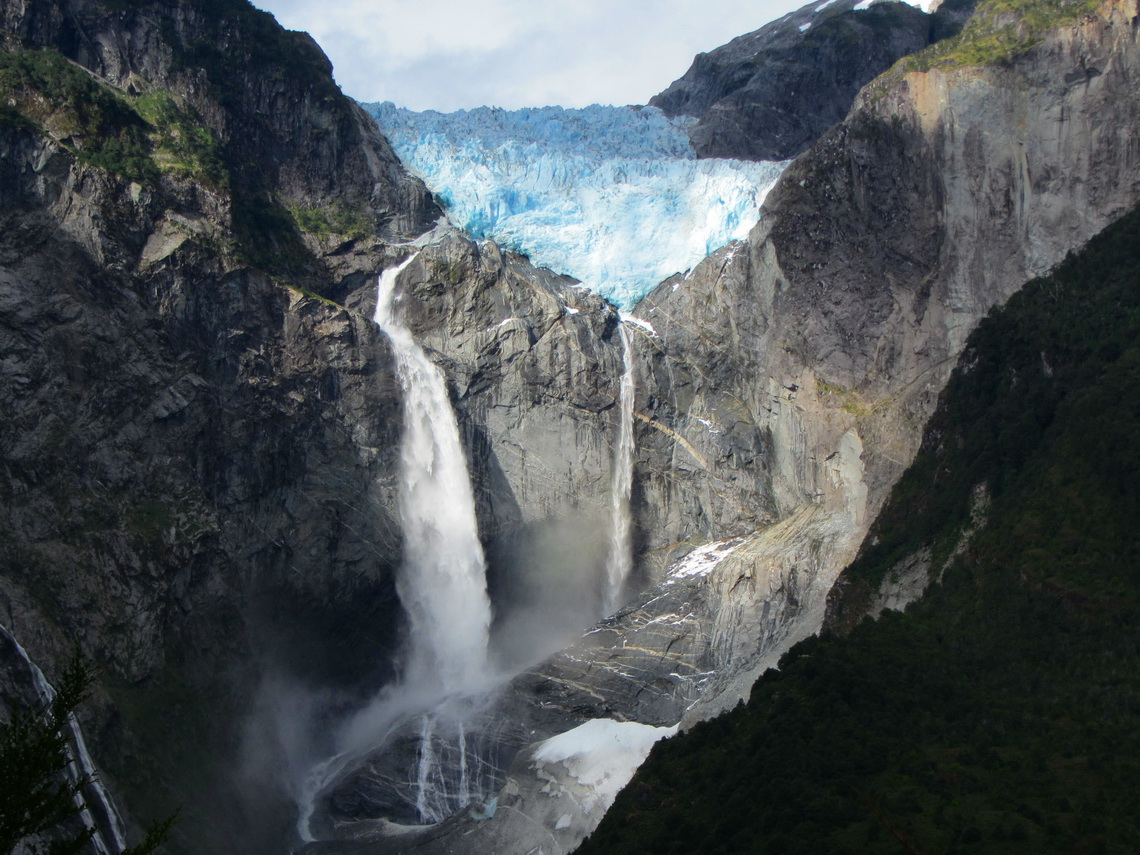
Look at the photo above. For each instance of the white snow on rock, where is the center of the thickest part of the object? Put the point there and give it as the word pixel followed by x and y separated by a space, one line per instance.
pixel 601 755
pixel 613 196
pixel 640 323
pixel 702 560
pixel 925 5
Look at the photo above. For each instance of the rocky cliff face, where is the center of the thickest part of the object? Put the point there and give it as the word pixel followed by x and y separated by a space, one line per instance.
pixel 750 96
pixel 878 251
pixel 199 458
pixel 290 137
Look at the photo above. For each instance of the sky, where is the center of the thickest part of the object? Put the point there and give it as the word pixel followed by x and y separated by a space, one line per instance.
pixel 451 54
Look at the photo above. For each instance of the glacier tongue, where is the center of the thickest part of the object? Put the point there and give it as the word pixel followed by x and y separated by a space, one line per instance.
pixel 613 196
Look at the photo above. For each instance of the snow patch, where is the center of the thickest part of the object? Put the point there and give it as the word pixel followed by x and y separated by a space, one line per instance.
pixel 805 27
pixel 712 428
pixel 601 754
pixel 924 5
pixel 643 325
pixel 612 196
pixel 702 560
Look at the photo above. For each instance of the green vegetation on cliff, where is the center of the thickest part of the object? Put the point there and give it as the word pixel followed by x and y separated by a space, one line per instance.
pixel 43 90
pixel 999 713
pixel 142 137
pixel 133 137
pixel 997 31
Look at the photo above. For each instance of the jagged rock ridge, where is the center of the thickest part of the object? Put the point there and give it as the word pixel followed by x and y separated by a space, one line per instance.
pixel 749 95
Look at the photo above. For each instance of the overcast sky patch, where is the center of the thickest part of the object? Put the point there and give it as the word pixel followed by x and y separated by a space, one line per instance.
pixel 452 54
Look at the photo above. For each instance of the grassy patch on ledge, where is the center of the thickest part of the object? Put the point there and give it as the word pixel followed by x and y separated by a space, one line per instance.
pixel 137 138
pixel 68 104
pixel 850 400
pixel 182 144
pixel 332 220
pixel 998 31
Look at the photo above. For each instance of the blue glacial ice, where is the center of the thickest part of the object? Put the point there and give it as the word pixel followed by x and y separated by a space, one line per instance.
pixel 613 196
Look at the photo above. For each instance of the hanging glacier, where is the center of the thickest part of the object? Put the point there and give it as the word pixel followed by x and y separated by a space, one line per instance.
pixel 613 196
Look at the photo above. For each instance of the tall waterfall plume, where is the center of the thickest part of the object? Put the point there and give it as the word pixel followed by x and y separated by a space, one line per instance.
pixel 443 589
pixel 620 560
pixel 443 584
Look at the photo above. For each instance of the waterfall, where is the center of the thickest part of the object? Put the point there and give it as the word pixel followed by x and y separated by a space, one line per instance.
pixel 80 765
pixel 442 587
pixel 424 765
pixel 442 583
pixel 620 560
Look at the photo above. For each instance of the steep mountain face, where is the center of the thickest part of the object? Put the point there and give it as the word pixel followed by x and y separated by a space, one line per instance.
pixel 878 252
pixel 947 140
pixel 239 70
pixel 997 714
pixel 201 421
pixel 749 95
pixel 782 384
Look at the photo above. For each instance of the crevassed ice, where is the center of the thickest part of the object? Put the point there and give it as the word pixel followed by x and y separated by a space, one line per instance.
pixel 613 196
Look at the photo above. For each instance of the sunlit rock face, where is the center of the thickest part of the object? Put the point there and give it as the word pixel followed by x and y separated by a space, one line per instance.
pixel 613 196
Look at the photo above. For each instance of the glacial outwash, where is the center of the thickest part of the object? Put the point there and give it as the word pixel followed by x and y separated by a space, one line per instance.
pixel 386 539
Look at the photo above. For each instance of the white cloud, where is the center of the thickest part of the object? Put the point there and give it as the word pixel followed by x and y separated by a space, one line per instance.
pixel 448 54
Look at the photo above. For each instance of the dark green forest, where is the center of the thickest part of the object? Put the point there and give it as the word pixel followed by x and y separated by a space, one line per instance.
pixel 998 714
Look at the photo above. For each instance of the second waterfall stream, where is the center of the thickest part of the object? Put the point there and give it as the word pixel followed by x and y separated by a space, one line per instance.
pixel 620 559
